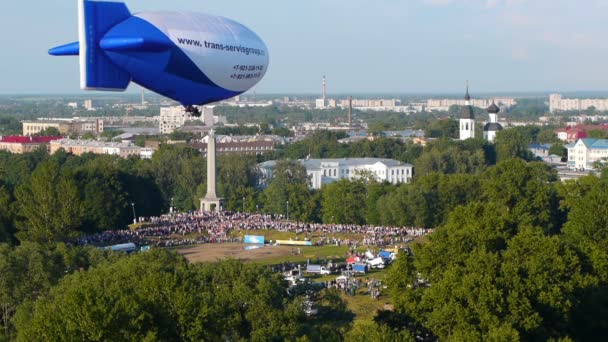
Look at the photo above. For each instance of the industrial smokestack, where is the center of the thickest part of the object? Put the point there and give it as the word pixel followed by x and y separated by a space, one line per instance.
pixel 350 112
pixel 324 88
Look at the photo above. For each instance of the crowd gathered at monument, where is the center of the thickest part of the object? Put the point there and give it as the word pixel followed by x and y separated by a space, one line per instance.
pixel 179 229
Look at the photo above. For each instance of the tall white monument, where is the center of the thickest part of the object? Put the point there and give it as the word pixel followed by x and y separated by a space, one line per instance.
pixel 211 202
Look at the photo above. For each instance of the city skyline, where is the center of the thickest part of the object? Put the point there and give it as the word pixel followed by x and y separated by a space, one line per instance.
pixel 422 46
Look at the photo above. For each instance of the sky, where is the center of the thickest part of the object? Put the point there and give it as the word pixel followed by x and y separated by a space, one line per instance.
pixel 362 46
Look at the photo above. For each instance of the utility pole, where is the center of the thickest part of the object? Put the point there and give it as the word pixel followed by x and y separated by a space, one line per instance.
pixel 134 216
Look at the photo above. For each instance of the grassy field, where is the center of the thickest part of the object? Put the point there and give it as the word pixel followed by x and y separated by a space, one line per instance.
pixel 361 305
pixel 334 253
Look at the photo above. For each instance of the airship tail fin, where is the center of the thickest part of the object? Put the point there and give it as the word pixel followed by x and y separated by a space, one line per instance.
pixel 97 71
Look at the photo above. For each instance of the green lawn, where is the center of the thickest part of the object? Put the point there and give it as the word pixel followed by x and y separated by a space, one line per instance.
pixel 362 305
pixel 335 253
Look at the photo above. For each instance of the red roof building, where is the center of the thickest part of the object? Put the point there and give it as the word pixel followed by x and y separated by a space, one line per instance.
pixel 22 144
pixel 571 134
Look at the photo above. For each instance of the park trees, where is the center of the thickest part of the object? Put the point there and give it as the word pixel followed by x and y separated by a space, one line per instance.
pixel 428 200
pixel 6 215
pixel 448 128
pixel 547 136
pixel 178 171
pixel 49 206
pixel 513 143
pixel 485 276
pixel 344 202
pixel 447 157
pixel 502 269
pixel 29 270
pixel 103 195
pixel 159 296
pixel 526 190
pixel 288 193
pixel 236 180
pixel 587 223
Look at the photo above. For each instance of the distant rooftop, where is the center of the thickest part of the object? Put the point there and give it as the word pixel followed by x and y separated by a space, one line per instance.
pixel 316 163
pixel 596 143
pixel 28 140
pixel 60 120
pixel 93 143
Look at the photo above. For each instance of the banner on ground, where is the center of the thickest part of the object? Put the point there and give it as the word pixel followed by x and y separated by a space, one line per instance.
pixel 254 239
pixel 294 243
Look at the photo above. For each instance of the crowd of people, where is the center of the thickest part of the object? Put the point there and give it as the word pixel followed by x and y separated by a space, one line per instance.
pixel 178 229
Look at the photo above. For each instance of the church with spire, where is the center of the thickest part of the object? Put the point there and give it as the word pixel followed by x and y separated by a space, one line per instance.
pixel 492 127
pixel 467 118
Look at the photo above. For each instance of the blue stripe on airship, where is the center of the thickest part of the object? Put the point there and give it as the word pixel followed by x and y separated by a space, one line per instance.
pixel 155 62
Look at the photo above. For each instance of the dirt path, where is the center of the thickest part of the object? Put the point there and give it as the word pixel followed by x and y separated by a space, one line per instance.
pixel 214 252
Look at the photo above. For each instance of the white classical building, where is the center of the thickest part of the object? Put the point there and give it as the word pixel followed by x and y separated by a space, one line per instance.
pixel 325 171
pixel 585 152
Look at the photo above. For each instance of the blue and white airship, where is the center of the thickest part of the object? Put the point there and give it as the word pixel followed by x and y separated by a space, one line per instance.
pixel 192 58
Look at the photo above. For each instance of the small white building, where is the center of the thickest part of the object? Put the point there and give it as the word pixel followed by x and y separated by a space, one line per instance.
pixel 325 171
pixel 585 152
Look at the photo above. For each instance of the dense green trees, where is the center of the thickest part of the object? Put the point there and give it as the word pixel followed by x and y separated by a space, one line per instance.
pixel 158 296
pixel 513 143
pixel 49 206
pixel 237 178
pixel 344 202
pixel 6 215
pixel 446 156
pixel 325 145
pixel 502 267
pixel 448 128
pixel 28 271
pixel 288 191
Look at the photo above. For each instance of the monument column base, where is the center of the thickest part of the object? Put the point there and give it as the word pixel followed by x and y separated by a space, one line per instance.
pixel 212 204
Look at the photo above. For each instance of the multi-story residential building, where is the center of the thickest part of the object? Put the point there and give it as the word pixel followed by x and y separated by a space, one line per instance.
pixel 80 147
pixel 558 103
pixel 325 171
pixel 172 118
pixel 88 105
pixel 21 144
pixel 64 126
pixel 445 104
pixel 585 152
